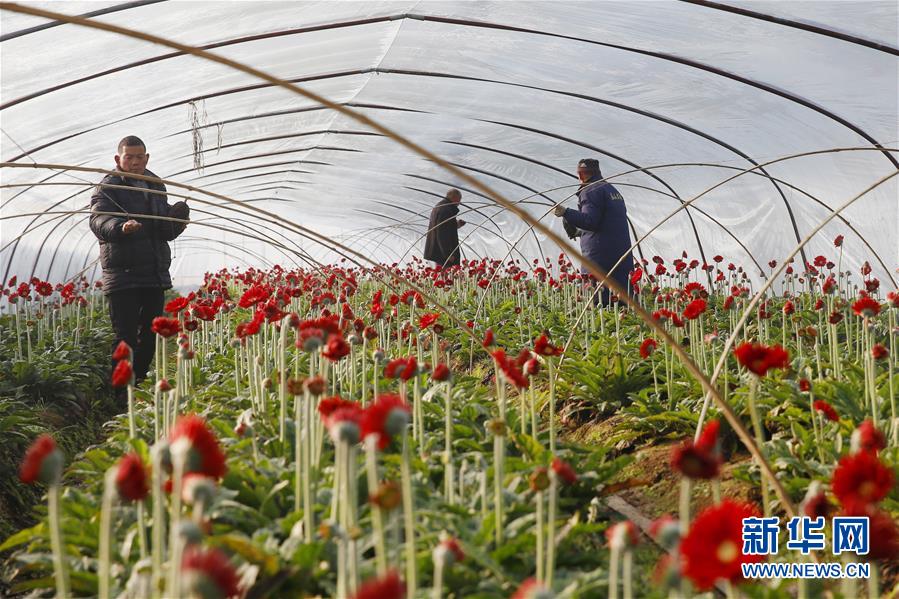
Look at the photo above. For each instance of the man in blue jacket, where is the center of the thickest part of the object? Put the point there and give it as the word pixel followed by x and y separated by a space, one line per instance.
pixel 601 222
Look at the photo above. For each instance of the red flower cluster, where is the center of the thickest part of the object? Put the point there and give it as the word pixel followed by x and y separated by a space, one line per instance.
pixel 758 358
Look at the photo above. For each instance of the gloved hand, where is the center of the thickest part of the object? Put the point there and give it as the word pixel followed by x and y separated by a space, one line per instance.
pixel 570 230
pixel 559 210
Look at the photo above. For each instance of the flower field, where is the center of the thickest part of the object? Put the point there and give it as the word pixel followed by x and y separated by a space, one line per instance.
pixel 411 432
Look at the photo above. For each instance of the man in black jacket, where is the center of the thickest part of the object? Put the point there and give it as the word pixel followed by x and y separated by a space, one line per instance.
pixel 134 249
pixel 442 243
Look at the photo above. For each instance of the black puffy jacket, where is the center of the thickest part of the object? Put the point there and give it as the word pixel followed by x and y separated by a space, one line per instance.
pixel 140 259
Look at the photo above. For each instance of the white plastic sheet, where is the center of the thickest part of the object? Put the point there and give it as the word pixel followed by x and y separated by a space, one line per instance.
pixel 516 109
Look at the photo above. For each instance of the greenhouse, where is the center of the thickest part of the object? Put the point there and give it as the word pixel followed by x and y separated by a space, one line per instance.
pixel 376 300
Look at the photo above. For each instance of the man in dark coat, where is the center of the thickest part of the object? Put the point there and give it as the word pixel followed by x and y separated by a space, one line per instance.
pixel 134 250
pixel 601 223
pixel 442 243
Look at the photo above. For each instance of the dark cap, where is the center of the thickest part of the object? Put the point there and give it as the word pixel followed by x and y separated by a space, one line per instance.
pixel 589 163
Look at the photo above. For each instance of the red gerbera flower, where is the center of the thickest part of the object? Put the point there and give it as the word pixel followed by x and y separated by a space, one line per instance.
pixel 712 549
pixel 254 295
pixel 386 417
pixel 695 309
pixel 867 307
pixel 389 586
pixel 488 338
pixel 122 351
pixel 328 405
pixel 166 327
pixel 531 589
pixel 42 462
pixel 176 305
pixel 543 347
pixel 838 241
pixel 564 471
pixel 345 423
pixel 336 348
pixel 624 534
pixel 451 547
pixel 867 438
pixel 893 298
pixel 511 370
pixel 122 374
pixel 205 454
pixel 758 358
pixel 401 368
pixel 205 570
pixel 825 408
pixel 700 460
pixel 131 478
pixel 861 479
pixel 647 347
pixel 427 320
pixel 815 503
pixel 879 352
pixel 441 373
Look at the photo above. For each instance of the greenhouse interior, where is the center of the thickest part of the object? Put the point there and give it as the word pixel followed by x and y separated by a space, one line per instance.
pixel 449 299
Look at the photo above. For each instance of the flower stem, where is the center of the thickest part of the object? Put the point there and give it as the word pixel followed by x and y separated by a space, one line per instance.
pixel 377 515
pixel 614 560
pixel 132 427
pixel 541 563
pixel 449 473
pixel 552 406
pixel 409 519
pixel 627 574
pixel 759 439
pixel 158 518
pixel 173 583
pixel 551 537
pixel 438 579
pixel 60 569
pixel 106 533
